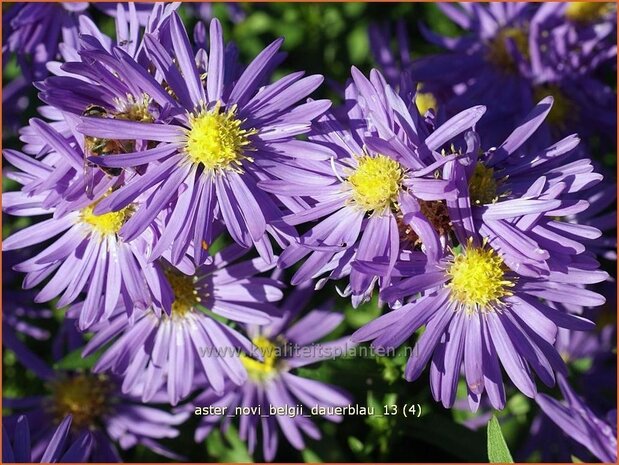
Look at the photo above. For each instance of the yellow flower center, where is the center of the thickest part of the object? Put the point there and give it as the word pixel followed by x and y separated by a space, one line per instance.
pixel 376 182
pixel 106 224
pixel 217 140
pixel 478 279
pixel 257 370
pixel 84 396
pixel 586 12
pixel 185 293
pixel 425 101
pixel 499 54
pixel 562 109
pixel 483 185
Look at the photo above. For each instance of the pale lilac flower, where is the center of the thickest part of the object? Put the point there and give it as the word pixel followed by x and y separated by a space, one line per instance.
pixel 221 132
pixel 179 351
pixel 381 191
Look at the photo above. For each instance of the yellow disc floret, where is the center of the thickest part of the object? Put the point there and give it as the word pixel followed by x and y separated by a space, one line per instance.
pixel 185 292
pixel 425 101
pixel 376 182
pixel 483 185
pixel 84 396
pixel 478 279
pixel 107 223
pixel 498 52
pixel 257 370
pixel 586 12
pixel 562 109
pixel 217 141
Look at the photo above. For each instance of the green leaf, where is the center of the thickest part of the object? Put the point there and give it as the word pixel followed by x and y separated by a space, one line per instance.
pixel 309 456
pixel 227 447
pixel 357 317
pixel 355 445
pixel 358 44
pixel 75 361
pixel 497 447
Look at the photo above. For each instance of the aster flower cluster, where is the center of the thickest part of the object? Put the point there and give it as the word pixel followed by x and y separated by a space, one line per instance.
pixel 188 214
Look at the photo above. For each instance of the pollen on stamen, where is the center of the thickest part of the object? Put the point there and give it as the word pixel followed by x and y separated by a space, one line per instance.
pixel 217 140
pixel 107 223
pixel 376 183
pixel 257 370
pixel 483 185
pixel 478 279
pixel 586 12
pixel 84 396
pixel 185 293
pixel 134 109
pixel 498 52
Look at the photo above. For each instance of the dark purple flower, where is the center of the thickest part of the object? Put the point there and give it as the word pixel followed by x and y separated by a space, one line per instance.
pixel 32 31
pixel 19 450
pixel 285 344
pixel 514 54
pixel 95 405
pixel 18 307
pixel 575 418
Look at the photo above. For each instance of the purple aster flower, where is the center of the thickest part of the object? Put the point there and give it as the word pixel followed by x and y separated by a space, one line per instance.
pixel 601 215
pixel 151 351
pixel 87 255
pixel 83 83
pixel 204 11
pixel 18 308
pixel 575 418
pixel 515 54
pixel 58 449
pixel 95 405
pixel 480 314
pixel 596 384
pixel 221 132
pixel 516 197
pixel 380 192
pixel 285 344
pixel 32 31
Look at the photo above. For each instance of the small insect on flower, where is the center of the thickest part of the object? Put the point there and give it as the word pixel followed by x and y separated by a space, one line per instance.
pixel 99 147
